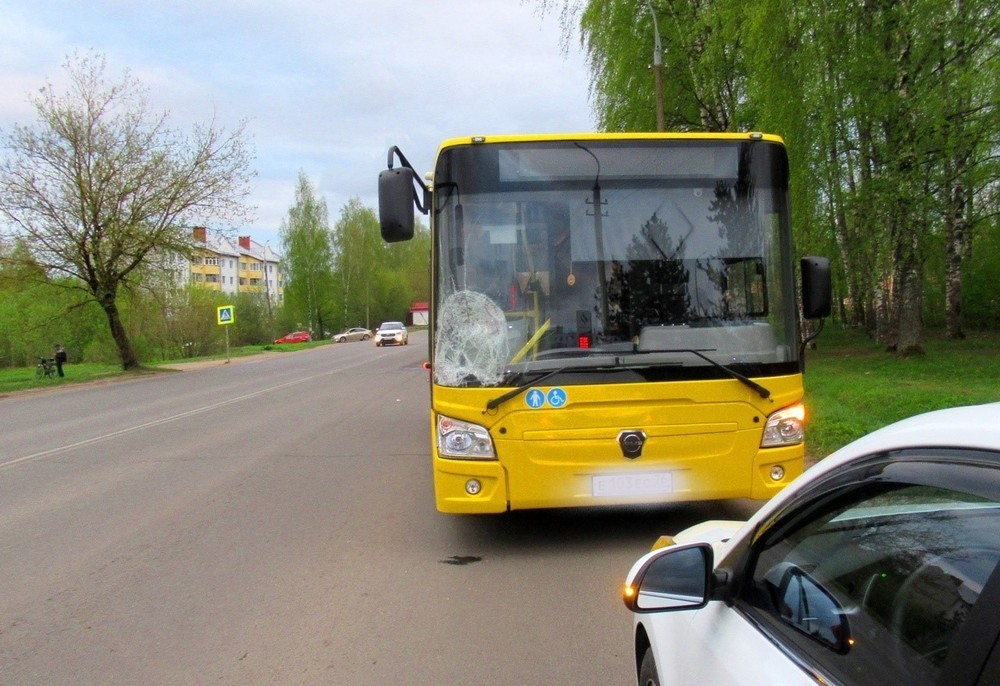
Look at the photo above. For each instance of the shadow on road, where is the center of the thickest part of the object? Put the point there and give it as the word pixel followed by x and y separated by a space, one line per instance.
pixel 527 531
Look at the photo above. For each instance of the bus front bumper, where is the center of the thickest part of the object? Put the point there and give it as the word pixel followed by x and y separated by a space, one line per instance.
pixel 483 487
pixel 470 487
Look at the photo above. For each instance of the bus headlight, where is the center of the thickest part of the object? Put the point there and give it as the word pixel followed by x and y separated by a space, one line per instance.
pixel 784 427
pixel 463 441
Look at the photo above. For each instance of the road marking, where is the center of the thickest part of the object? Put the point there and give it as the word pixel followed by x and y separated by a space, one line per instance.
pixel 173 418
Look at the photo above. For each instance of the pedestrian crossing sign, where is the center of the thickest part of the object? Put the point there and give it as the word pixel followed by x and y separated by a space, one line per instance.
pixel 226 314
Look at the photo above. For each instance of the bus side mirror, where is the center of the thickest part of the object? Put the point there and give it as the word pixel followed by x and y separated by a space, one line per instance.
pixel 816 288
pixel 395 204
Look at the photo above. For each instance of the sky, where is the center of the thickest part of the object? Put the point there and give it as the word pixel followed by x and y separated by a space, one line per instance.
pixel 326 86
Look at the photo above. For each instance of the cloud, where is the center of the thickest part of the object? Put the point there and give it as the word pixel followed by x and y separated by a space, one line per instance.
pixel 326 87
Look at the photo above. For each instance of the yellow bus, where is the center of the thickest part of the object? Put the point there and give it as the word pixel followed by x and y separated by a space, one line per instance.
pixel 613 317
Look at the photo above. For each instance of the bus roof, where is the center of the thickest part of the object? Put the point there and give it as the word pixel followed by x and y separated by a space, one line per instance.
pixel 597 136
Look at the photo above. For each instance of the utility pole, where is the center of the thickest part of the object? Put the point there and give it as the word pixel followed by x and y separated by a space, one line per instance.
pixel 657 68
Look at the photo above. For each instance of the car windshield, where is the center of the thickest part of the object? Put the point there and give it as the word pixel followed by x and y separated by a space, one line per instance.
pixel 391 325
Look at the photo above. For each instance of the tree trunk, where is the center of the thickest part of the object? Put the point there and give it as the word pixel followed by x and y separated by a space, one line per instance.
pixel 120 336
pixel 958 197
pixel 884 323
pixel 842 237
pixel 909 301
pixel 954 257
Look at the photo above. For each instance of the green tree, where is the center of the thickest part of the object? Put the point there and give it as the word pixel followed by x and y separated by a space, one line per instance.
pixel 36 313
pixel 888 108
pixel 404 277
pixel 252 323
pixel 308 259
pixel 704 77
pixel 358 262
pixel 100 188
pixel 30 319
pixel 377 281
pixel 190 323
pixel 413 259
pixel 891 113
pixel 968 90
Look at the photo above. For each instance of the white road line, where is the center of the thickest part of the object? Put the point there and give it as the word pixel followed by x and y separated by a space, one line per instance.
pixel 173 418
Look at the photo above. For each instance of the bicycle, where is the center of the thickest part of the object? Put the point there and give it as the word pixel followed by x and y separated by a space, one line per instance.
pixel 46 368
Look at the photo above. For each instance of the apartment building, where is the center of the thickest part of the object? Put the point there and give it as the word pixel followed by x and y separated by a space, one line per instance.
pixel 242 267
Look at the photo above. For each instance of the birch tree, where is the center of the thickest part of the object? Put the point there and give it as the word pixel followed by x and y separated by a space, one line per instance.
pixel 308 258
pixel 357 262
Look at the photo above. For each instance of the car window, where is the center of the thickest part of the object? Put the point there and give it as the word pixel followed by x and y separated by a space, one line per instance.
pixel 874 586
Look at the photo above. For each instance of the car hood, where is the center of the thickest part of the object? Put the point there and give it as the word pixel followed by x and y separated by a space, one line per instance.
pixel 969 426
pixel 718 532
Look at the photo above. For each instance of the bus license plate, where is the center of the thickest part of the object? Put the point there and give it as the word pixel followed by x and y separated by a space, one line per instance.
pixel 618 485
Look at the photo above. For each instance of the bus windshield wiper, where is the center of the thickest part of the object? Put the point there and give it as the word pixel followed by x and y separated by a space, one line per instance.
pixel 501 399
pixel 761 391
pixel 514 392
pixel 618 366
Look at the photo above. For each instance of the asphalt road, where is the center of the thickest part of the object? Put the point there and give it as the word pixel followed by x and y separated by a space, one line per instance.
pixel 271 521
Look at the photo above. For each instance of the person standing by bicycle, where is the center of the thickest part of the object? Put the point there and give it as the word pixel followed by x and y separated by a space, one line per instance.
pixel 60 358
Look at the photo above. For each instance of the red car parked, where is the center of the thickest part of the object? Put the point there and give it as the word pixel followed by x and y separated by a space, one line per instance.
pixel 295 337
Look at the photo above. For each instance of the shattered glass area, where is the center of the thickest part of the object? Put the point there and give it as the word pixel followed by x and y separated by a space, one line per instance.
pixel 470 348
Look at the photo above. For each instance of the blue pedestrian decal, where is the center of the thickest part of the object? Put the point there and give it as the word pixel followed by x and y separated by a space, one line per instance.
pixel 535 398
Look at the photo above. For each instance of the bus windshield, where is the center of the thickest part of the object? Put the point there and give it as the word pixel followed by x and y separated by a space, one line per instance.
pixel 611 260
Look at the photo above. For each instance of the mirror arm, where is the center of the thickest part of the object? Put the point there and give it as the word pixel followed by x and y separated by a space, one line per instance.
pixel 423 204
pixel 719 585
pixel 807 339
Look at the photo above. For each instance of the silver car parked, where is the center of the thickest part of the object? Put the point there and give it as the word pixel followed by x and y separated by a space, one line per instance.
pixel 357 333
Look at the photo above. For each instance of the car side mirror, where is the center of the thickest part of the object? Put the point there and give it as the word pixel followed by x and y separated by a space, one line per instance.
pixel 811 609
pixel 673 579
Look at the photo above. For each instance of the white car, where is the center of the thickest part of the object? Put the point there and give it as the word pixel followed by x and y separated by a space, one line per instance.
pixel 391 333
pixel 876 566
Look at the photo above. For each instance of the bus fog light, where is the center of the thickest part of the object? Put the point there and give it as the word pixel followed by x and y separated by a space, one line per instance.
pixel 473 487
pixel 777 472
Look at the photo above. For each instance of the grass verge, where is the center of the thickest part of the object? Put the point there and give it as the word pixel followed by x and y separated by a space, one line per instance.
pixel 853 386
pixel 24 378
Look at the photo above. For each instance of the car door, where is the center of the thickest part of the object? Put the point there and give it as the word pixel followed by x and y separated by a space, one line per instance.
pixel 883 573
pixel 719 645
